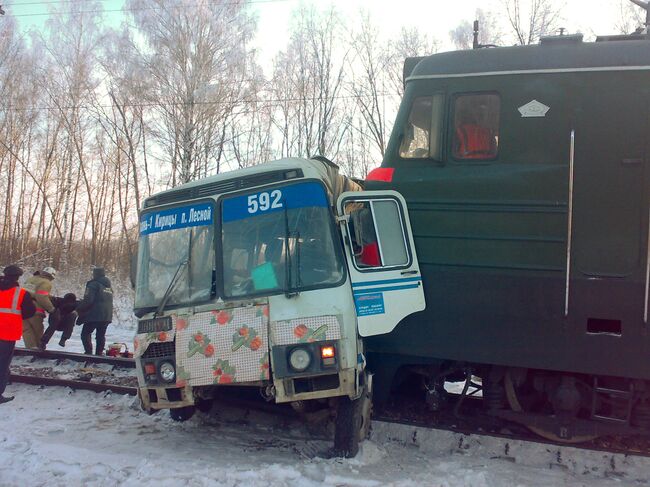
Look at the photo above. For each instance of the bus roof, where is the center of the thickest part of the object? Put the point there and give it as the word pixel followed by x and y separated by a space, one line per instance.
pixel 285 169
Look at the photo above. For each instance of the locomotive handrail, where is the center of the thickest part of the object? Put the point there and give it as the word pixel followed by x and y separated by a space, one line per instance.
pixel 569 221
pixel 647 273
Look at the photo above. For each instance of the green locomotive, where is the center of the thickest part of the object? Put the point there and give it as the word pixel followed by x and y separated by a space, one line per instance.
pixel 525 170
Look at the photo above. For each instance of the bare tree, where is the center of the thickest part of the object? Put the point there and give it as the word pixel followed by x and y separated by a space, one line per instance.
pixel 630 17
pixel 313 69
pixel 531 19
pixel 194 58
pixel 490 32
pixel 411 42
pixel 369 68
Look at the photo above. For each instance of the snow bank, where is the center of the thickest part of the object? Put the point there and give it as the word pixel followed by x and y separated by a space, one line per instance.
pixel 57 437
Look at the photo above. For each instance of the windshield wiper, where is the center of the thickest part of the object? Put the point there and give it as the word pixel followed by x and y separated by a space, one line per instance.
pixel 290 291
pixel 170 288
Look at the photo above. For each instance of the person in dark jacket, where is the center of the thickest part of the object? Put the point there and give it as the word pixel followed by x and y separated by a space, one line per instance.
pixel 96 311
pixel 16 305
pixel 62 319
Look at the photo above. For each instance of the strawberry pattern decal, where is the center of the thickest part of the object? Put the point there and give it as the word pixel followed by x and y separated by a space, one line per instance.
pixel 200 343
pixel 221 318
pixel 307 335
pixel 265 367
pixel 182 376
pixel 247 337
pixel 305 330
pixel 224 346
pixel 223 372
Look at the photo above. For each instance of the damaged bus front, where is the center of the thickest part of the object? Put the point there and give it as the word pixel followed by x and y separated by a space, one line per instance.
pixel 244 279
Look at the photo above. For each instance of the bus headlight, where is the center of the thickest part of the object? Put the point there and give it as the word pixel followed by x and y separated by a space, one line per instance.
pixel 167 372
pixel 299 359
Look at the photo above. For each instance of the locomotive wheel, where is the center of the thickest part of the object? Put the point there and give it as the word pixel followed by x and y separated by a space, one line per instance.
pixel 515 405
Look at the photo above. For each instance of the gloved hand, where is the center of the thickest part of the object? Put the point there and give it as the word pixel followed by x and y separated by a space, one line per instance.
pixel 54 317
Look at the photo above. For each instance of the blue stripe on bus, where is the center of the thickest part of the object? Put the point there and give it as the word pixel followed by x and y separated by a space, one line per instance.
pixel 387 281
pixel 382 289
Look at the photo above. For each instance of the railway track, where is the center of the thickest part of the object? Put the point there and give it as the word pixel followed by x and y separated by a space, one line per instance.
pixel 471 422
pixel 84 381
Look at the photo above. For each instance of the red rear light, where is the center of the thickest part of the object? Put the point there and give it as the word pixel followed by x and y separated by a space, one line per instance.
pixel 384 174
pixel 149 369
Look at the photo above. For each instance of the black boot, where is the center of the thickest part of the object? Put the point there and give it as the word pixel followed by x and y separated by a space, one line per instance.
pixel 4 399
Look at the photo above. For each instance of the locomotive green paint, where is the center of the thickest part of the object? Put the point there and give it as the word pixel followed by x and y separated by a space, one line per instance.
pixel 492 236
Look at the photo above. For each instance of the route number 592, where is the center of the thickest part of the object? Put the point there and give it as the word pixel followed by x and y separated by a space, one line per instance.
pixel 264 201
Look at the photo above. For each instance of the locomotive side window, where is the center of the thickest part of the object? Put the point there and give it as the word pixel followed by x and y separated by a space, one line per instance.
pixel 476 126
pixel 422 136
pixel 377 234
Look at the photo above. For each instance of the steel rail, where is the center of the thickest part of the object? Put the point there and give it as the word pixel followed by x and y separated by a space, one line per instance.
pixel 127 363
pixel 73 384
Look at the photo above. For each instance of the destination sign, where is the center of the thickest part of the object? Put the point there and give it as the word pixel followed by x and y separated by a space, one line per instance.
pixel 293 196
pixel 178 217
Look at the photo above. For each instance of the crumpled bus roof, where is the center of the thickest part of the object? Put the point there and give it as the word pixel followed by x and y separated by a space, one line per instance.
pixel 317 168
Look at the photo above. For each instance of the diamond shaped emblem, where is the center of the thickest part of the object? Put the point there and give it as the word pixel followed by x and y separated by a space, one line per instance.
pixel 533 108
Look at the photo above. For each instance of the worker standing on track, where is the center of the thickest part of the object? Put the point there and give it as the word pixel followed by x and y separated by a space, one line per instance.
pixel 96 311
pixel 16 305
pixel 39 286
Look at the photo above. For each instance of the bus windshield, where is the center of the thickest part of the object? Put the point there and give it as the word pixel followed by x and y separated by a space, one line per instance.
pixel 180 241
pixel 279 240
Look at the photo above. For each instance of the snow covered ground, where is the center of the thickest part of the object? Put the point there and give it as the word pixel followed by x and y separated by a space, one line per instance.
pixel 57 437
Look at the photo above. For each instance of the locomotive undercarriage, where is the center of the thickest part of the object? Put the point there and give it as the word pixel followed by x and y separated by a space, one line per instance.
pixel 561 407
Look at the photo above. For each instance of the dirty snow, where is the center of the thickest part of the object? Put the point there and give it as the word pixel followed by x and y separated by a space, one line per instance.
pixel 57 437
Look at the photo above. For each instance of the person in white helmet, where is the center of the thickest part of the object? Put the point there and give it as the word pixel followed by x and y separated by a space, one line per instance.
pixel 39 286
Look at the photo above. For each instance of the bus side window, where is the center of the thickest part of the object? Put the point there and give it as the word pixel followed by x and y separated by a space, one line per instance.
pixel 376 234
pixel 423 132
pixel 476 126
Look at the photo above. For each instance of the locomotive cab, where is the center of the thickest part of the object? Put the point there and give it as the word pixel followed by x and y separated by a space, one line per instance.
pixel 525 171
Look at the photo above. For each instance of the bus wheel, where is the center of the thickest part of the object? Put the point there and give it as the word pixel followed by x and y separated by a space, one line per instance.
pixel 182 414
pixel 353 421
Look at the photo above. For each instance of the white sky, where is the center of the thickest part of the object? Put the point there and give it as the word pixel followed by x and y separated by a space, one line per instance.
pixel 435 17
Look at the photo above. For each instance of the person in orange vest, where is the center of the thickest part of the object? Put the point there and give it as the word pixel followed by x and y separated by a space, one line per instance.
pixel 474 140
pixel 39 286
pixel 15 305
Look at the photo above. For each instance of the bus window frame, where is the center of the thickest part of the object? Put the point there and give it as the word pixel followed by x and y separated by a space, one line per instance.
pixel 336 236
pixel 216 227
pixel 405 234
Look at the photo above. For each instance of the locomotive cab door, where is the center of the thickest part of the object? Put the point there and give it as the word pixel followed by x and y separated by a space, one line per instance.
pixel 381 258
pixel 608 234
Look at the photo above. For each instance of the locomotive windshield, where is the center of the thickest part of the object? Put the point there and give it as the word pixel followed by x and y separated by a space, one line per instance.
pixel 179 241
pixel 279 240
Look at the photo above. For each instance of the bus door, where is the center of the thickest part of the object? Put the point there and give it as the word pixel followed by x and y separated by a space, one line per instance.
pixel 381 258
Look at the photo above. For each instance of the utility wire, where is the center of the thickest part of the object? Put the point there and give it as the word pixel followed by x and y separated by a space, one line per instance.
pixel 140 9
pixel 168 104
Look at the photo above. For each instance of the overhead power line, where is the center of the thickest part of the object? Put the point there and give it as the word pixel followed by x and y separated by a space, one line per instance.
pixel 168 104
pixel 99 11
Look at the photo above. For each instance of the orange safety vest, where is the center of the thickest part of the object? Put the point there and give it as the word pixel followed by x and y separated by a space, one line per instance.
pixel 475 142
pixel 11 320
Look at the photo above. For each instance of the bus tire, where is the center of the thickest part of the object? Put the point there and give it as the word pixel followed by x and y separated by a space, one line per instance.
pixel 182 414
pixel 352 423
